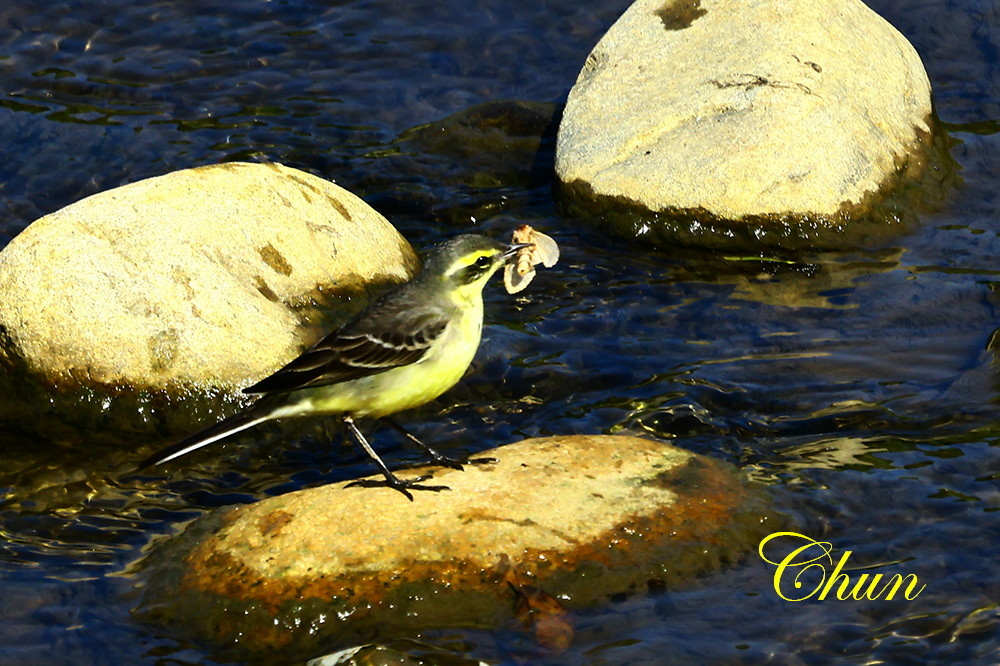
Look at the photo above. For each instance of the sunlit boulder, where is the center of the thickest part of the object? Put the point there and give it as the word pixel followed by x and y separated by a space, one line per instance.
pixel 147 307
pixel 203 276
pixel 745 122
pixel 557 524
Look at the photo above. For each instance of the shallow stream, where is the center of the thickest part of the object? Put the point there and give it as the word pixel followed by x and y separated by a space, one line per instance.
pixel 859 385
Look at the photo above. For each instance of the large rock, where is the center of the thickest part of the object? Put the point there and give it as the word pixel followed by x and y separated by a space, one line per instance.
pixel 203 277
pixel 727 122
pixel 584 518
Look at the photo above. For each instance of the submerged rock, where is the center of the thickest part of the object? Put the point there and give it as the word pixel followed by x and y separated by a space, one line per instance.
pixel 490 145
pixel 473 164
pixel 202 277
pixel 744 122
pixel 582 518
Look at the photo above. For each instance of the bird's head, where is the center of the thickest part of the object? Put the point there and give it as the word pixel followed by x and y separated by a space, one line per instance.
pixel 465 263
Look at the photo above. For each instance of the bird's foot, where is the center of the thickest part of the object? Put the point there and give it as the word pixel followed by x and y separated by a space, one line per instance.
pixel 437 457
pixel 402 485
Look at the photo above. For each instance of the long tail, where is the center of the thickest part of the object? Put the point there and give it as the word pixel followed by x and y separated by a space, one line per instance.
pixel 213 433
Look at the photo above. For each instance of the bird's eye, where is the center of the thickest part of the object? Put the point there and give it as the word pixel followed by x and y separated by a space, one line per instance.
pixel 475 270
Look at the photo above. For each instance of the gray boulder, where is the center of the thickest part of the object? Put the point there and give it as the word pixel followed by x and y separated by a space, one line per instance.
pixel 723 121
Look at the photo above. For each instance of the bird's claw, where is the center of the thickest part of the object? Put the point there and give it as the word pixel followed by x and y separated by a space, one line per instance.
pixel 402 485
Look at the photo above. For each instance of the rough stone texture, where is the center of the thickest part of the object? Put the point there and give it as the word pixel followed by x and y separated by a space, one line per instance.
pixel 583 517
pixel 201 276
pixel 733 109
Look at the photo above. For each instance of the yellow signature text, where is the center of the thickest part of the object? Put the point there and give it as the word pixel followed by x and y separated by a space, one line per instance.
pixel 810 561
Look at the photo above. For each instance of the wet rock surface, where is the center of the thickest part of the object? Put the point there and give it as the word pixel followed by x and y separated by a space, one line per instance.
pixel 584 518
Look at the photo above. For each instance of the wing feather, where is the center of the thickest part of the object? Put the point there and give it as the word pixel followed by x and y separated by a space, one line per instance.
pixel 372 343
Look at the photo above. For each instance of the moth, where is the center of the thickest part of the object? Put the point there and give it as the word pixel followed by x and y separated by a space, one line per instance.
pixel 520 269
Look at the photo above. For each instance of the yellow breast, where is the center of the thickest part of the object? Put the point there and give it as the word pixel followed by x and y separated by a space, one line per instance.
pixel 404 387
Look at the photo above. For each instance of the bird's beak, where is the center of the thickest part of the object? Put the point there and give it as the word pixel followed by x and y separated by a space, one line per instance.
pixel 513 249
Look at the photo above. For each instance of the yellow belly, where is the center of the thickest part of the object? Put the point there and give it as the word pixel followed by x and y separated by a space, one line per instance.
pixel 400 388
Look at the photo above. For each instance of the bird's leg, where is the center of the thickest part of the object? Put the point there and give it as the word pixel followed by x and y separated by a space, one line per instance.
pixel 436 455
pixel 391 479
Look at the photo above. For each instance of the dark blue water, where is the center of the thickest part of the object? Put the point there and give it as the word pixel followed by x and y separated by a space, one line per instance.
pixel 860 386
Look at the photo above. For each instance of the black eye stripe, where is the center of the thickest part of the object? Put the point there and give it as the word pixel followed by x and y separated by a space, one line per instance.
pixel 471 273
pixel 476 269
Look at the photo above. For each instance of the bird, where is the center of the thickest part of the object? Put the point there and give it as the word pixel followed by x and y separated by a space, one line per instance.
pixel 408 347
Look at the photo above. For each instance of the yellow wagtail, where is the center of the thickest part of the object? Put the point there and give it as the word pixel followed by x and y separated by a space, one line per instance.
pixel 407 348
